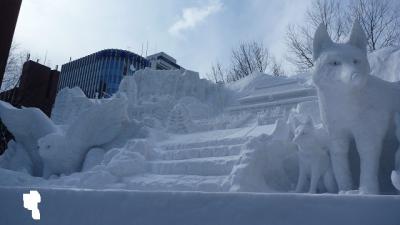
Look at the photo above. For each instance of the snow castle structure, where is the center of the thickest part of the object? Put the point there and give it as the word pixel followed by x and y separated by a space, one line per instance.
pixel 272 97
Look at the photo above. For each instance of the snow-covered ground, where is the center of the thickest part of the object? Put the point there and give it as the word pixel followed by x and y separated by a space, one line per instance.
pixel 72 206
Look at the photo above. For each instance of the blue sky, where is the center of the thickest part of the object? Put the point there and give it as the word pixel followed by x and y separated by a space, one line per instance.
pixel 195 32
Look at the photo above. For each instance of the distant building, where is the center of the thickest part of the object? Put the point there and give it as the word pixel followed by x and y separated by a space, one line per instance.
pixel 163 61
pixel 37 88
pixel 100 73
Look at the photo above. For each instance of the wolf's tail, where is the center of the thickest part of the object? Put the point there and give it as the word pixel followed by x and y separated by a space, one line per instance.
pixel 395 176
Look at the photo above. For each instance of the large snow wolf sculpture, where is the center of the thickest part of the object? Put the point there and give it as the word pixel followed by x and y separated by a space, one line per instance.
pixel 354 104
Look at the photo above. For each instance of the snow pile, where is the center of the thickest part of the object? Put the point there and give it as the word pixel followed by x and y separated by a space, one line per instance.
pixel 257 86
pixel 385 63
pixel 70 102
pixel 251 83
pixel 16 158
pixel 269 163
pixel 178 84
pixel 197 110
pixel 123 163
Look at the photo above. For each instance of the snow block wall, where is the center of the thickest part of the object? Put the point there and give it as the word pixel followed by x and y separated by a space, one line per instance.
pixel 83 207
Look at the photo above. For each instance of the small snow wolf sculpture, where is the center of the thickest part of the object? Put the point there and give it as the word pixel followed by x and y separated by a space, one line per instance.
pixel 314 160
pixel 354 104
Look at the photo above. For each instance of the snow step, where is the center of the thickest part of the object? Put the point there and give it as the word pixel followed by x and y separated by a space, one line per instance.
pixel 204 152
pixel 156 182
pixel 213 166
pixel 220 142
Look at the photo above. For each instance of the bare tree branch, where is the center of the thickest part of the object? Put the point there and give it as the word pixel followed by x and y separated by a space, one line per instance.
pixel 13 70
pixel 379 19
pixel 247 58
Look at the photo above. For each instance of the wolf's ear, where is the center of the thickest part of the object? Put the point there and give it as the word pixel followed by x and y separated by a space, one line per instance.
pixel 322 41
pixel 357 37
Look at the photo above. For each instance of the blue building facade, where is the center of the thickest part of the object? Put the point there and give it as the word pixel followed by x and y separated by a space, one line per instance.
pixel 99 74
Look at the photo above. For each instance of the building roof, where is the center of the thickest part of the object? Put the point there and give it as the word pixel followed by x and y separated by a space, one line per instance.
pixel 112 52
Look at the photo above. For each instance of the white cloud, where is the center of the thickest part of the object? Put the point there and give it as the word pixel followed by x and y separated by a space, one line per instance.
pixel 191 17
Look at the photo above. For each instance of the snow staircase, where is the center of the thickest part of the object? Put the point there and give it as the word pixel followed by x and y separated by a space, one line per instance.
pixel 196 166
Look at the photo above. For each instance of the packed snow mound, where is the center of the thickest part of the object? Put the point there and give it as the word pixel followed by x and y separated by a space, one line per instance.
pixel 255 82
pixel 385 63
pixel 197 110
pixel 16 158
pixel 177 84
pixel 128 88
pixel 123 163
pixel 246 84
pixel 268 164
pixel 309 109
pixel 93 158
pixel 159 91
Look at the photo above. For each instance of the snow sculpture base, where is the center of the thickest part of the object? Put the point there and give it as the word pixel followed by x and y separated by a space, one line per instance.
pixel 147 208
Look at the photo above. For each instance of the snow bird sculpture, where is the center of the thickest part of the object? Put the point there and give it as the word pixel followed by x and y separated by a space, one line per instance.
pixel 27 125
pixel 62 151
pixel 354 105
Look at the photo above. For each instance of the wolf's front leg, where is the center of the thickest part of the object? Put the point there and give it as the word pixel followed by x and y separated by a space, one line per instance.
pixel 302 177
pixel 329 181
pixel 370 152
pixel 315 177
pixel 340 163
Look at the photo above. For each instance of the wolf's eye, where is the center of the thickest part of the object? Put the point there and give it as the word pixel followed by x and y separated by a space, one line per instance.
pixel 355 61
pixel 335 63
